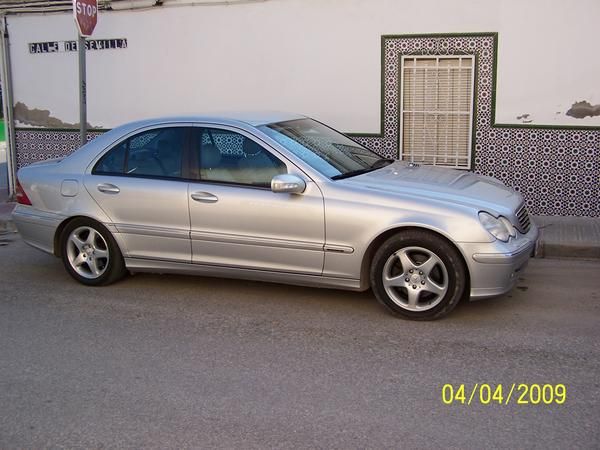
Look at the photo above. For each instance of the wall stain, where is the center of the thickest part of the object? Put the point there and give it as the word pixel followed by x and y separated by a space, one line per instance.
pixel 525 118
pixel 579 110
pixel 40 118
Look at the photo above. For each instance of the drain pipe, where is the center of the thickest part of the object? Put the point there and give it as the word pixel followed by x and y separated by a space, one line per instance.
pixel 9 124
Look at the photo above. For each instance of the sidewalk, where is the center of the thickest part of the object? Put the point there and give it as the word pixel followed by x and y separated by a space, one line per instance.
pixel 560 237
pixel 568 237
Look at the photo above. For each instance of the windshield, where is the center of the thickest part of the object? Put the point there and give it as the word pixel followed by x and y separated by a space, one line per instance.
pixel 324 149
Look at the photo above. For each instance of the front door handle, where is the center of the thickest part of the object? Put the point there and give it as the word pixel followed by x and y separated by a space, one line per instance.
pixel 108 188
pixel 204 197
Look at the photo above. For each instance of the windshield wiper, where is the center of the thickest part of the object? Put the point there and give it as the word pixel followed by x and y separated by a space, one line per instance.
pixel 376 165
pixel 382 162
pixel 352 173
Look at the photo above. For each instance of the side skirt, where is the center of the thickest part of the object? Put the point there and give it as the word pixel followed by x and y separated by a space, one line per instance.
pixel 156 266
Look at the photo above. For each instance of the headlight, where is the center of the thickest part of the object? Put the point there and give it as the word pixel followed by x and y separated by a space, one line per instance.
pixel 500 227
pixel 509 226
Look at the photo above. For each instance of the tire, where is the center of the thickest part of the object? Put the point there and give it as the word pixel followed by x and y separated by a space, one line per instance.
pixel 90 253
pixel 434 269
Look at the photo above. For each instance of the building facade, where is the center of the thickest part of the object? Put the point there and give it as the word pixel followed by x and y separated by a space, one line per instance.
pixel 492 87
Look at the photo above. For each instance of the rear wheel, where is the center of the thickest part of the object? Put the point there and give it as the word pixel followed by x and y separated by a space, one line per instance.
pixel 418 275
pixel 90 253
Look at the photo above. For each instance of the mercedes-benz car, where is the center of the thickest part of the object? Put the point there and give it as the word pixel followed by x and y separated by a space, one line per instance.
pixel 275 197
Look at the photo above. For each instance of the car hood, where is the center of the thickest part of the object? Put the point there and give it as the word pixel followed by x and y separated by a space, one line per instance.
pixel 439 183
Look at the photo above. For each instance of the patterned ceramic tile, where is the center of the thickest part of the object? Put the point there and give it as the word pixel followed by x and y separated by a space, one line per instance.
pixel 36 145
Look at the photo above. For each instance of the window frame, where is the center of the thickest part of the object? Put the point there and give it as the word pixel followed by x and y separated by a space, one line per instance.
pixel 472 92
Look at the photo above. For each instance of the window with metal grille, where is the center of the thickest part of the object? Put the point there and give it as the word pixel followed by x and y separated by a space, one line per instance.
pixel 436 110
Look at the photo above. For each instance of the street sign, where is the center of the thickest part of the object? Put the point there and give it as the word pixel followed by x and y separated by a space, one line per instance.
pixel 85 13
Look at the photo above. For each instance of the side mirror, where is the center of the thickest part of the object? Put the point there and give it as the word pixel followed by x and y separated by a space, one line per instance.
pixel 288 184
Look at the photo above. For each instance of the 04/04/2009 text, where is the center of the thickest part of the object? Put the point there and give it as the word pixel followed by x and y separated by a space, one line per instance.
pixel 499 394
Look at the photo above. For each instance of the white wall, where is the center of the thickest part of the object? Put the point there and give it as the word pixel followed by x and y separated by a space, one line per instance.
pixel 318 57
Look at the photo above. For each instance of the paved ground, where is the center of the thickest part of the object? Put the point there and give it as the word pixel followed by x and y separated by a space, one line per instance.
pixel 175 362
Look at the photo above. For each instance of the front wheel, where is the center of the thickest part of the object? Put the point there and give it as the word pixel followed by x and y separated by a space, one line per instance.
pixel 418 275
pixel 90 253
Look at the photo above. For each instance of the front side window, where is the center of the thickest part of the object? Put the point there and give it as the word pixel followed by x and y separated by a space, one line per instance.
pixel 228 157
pixel 324 149
pixel 153 153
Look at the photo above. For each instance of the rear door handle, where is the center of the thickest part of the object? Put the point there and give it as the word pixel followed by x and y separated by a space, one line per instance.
pixel 108 188
pixel 204 197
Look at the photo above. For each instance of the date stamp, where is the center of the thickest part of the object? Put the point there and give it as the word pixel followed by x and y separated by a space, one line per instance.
pixel 500 394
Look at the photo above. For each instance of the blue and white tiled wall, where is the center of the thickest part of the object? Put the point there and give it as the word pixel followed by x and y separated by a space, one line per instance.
pixel 38 145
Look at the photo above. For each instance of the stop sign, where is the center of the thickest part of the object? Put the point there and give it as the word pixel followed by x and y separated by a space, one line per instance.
pixel 85 13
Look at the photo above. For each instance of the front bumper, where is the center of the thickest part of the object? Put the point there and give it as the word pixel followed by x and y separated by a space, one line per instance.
pixel 495 267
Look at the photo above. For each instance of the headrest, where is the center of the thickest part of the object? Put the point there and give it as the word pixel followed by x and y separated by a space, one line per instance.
pixel 251 148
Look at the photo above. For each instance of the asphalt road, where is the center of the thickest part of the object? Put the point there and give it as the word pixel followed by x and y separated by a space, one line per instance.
pixel 160 361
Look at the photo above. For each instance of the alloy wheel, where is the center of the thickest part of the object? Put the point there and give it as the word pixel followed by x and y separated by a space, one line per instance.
pixel 87 252
pixel 415 278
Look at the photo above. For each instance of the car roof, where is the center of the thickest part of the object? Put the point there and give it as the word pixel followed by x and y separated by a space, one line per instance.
pixel 244 119
pixel 252 118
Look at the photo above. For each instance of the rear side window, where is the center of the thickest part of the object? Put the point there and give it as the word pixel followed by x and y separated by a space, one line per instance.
pixel 154 153
pixel 113 162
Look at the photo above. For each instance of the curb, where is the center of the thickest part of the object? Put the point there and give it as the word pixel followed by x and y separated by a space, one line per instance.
pixel 6 223
pixel 7 226
pixel 572 250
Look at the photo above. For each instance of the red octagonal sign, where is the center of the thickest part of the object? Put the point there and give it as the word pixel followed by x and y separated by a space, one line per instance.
pixel 86 16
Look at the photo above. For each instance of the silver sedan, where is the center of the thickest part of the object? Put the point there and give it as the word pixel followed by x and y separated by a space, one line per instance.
pixel 275 197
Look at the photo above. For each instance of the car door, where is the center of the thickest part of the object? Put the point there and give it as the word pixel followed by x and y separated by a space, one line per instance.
pixel 141 185
pixel 237 221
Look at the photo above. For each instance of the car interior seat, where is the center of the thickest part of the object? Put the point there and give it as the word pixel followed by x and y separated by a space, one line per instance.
pixel 210 165
pixel 169 157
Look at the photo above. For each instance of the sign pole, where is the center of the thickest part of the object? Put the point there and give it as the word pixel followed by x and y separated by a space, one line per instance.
pixel 82 91
pixel 85 13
